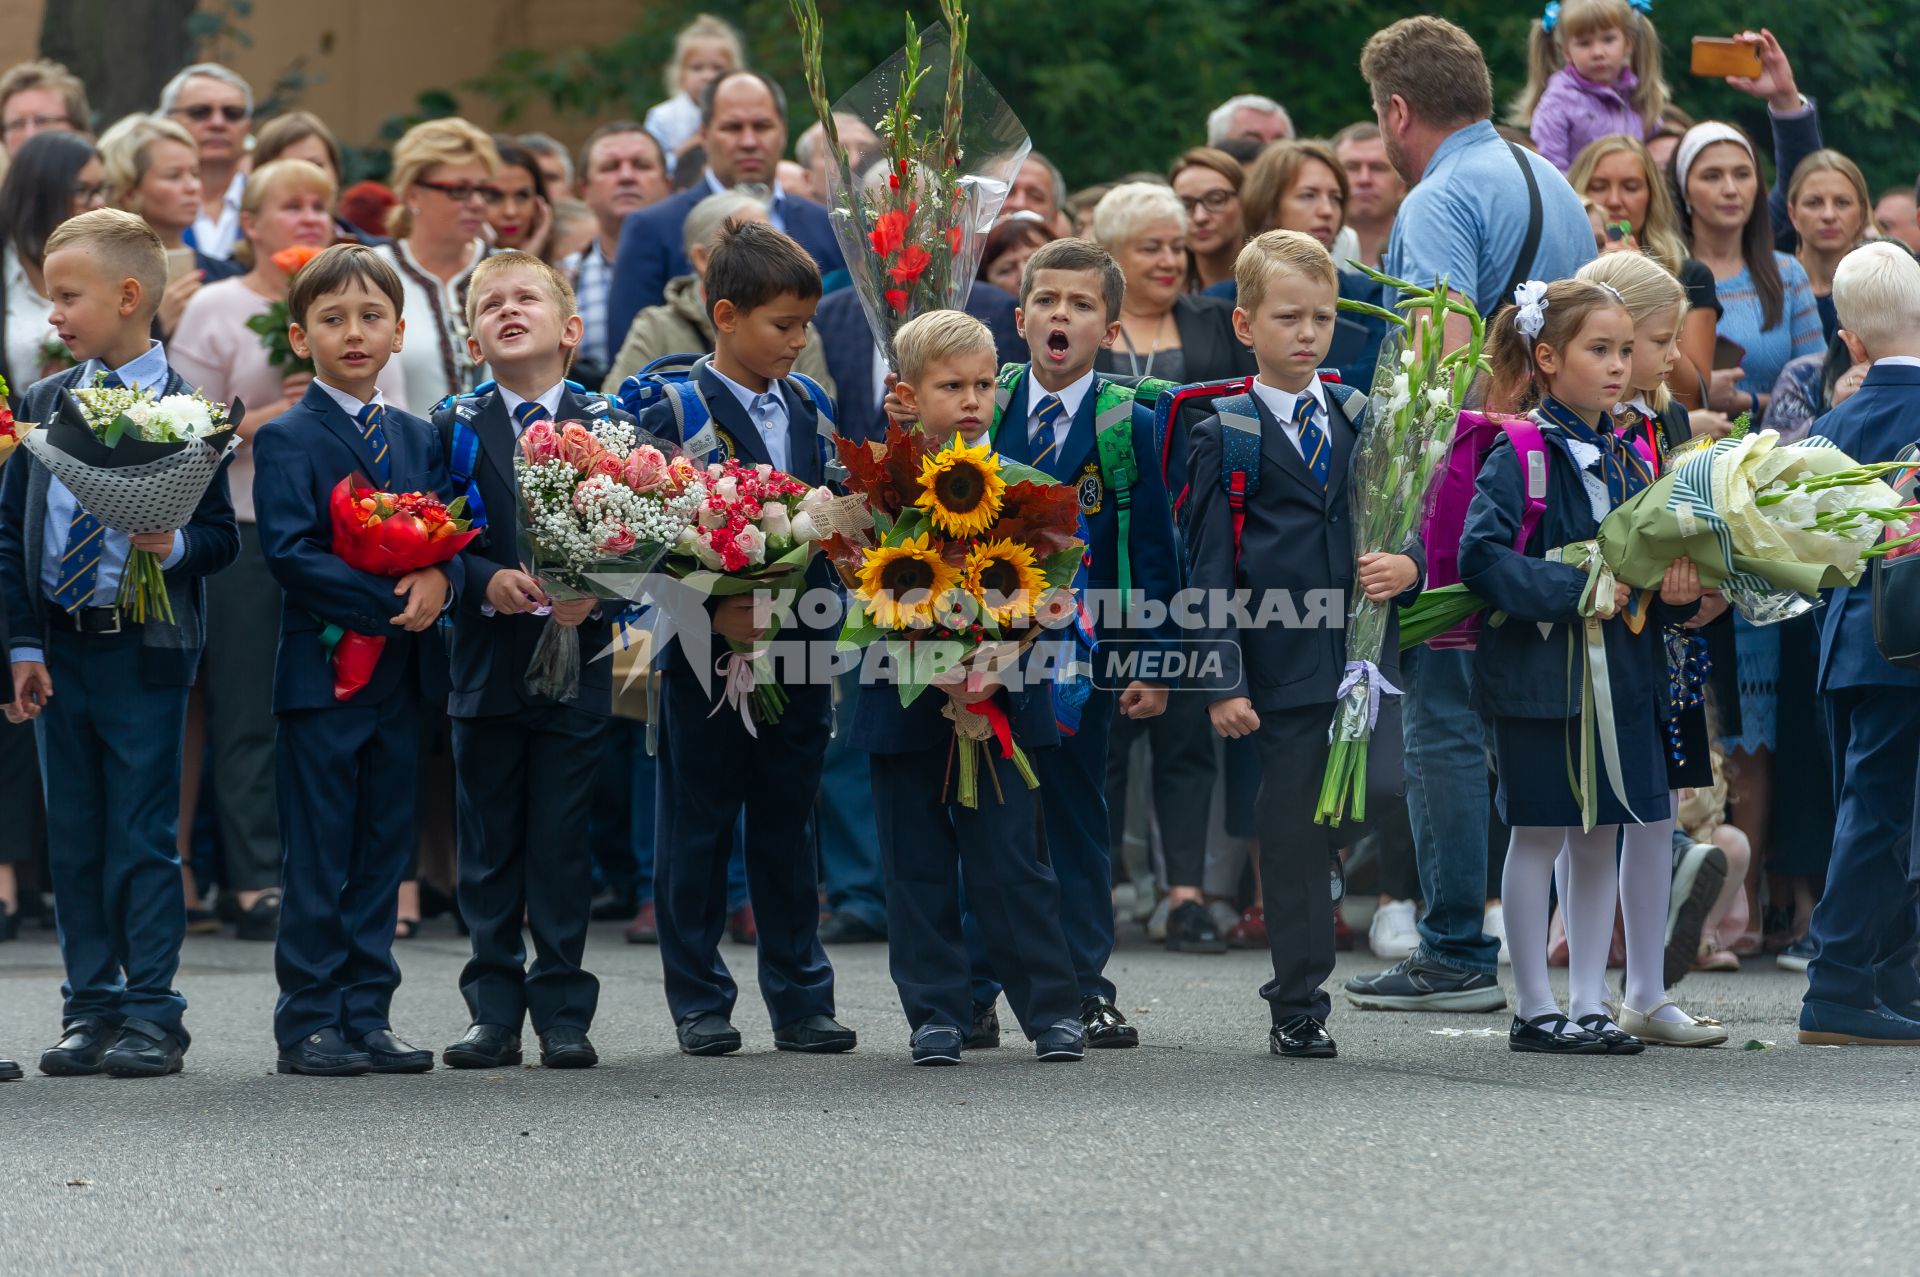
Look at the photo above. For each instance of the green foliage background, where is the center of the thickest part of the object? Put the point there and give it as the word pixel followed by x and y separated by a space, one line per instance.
pixel 1108 86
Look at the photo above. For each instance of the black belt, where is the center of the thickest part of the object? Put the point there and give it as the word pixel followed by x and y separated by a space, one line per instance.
pixel 87 620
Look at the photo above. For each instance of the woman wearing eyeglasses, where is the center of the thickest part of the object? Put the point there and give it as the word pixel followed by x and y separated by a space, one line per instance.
pixel 216 106
pixel 52 177
pixel 442 172
pixel 1208 183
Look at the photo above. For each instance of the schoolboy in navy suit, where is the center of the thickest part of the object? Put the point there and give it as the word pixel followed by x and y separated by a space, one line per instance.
pixel 1861 984
pixel 108 694
pixel 345 768
pixel 1279 682
pixel 524 764
pixel 1069 312
pixel 761 291
pixel 930 842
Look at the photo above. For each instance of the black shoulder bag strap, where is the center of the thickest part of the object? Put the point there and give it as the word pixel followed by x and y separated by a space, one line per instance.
pixel 1530 246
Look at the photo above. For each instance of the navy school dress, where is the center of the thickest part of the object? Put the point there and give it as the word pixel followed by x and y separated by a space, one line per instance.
pixel 1526 677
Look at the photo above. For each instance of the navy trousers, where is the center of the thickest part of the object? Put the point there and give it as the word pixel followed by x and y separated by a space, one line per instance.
pixel 1073 804
pixel 346 791
pixel 525 786
pixel 710 771
pixel 110 749
pixel 929 847
pixel 1866 928
pixel 850 867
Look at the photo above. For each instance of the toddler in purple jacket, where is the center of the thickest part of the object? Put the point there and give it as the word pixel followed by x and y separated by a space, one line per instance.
pixel 1593 71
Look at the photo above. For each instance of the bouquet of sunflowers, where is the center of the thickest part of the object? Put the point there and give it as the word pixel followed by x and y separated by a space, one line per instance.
pixel 970 562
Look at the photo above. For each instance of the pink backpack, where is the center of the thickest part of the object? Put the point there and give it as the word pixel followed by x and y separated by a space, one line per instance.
pixel 1453 492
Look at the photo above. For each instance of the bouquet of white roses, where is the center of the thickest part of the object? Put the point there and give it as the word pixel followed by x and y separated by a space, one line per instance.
pixel 138 462
pixel 598 503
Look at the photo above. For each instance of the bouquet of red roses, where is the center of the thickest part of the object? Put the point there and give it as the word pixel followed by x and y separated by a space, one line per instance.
pixel 11 431
pixel 386 534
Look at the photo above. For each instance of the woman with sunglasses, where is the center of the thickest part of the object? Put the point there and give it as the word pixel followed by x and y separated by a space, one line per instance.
pixel 216 106
pixel 442 173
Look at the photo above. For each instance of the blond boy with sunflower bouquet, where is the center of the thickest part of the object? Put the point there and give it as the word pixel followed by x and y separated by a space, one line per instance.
pixel 931 839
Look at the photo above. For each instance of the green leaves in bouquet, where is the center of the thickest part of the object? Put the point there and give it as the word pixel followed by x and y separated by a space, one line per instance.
pixel 117 429
pixel 271 324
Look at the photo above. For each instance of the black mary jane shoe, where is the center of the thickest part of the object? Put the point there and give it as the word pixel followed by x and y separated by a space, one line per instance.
pixel 1618 1040
pixel 1552 1034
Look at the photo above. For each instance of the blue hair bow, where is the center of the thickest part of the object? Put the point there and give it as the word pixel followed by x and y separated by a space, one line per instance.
pixel 1643 7
pixel 1551 18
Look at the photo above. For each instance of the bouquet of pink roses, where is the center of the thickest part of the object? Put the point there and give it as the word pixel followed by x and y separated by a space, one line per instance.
pixel 755 528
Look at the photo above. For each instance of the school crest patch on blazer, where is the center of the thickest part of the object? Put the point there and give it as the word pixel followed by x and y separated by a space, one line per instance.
pixel 1092 492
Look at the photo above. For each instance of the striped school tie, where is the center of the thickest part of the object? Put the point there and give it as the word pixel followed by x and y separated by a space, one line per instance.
pixel 1313 439
pixel 80 565
pixel 1045 438
pixel 371 430
pixel 527 413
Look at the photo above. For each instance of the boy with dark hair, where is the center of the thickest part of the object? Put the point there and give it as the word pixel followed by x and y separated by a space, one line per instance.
pixel 524 765
pixel 110 740
pixel 345 768
pixel 745 402
pixel 1057 415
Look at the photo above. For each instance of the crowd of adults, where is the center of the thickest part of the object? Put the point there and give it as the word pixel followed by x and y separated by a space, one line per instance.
pixel 630 217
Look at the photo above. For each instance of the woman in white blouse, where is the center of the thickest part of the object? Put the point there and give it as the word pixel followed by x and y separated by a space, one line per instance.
pixel 442 171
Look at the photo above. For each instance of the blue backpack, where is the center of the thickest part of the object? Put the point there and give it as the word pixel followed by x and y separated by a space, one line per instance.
pixel 674 380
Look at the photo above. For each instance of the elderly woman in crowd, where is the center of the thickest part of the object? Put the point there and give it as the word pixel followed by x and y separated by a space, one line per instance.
pixel 50 178
pixel 152 169
pixel 1620 177
pixel 442 171
pixel 1165 331
pixel 680 324
pixel 1208 183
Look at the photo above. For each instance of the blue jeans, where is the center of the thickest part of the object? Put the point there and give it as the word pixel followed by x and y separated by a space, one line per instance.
pixel 643 803
pixel 1447 794
pixel 850 867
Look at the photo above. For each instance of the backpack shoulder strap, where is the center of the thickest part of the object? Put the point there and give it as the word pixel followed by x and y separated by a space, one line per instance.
pixel 453 418
pixel 825 427
pixel 1113 409
pixel 1010 375
pixel 1531 450
pixel 1239 458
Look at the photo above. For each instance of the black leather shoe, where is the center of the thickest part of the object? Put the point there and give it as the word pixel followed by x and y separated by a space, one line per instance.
pixel 9 1071
pixel 262 920
pixel 79 1052
pixel 816 1035
pixel 1065 1042
pixel 985 1033
pixel 563 1047
pixel 936 1044
pixel 484 1046
pixel 1106 1028
pixel 390 1055
pixel 1552 1035
pixel 847 928
pixel 1618 1040
pixel 709 1034
pixel 324 1054
pixel 1302 1038
pixel 1191 929
pixel 143 1049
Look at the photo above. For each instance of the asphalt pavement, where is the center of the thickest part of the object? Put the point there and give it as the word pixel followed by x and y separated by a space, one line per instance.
pixel 1427 1147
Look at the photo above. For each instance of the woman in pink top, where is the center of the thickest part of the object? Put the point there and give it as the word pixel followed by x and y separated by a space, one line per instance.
pixel 287 203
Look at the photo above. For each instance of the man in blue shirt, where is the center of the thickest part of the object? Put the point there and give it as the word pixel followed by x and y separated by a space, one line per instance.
pixel 1467 220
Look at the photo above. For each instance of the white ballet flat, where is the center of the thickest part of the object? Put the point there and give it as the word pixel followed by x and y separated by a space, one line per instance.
pixel 1704 1031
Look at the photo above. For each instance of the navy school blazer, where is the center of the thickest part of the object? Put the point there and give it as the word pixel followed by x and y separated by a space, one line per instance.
pixel 298 457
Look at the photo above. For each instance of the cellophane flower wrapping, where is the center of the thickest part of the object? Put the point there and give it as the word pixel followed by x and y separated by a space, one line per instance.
pixel 138 462
pixel 912 222
pixel 601 503
pixel 386 534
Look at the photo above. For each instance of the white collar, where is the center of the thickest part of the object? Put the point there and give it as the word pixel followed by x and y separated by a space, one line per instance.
pixel 1282 403
pixel 1897 361
pixel 550 400
pixel 348 404
pixel 743 394
pixel 1070 398
pixel 236 189
pixel 718 188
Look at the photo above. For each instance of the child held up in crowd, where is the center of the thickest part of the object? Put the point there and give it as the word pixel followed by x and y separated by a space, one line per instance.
pixel 107 693
pixel 1567 354
pixel 1279 683
pixel 930 841
pixel 523 764
pixel 704 50
pixel 1593 69
pixel 345 768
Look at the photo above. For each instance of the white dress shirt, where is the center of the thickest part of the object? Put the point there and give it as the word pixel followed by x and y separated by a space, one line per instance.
pixel 776 206
pixel 348 404
pixel 768 412
pixel 1070 399
pixel 216 237
pixel 1282 404
pixel 550 401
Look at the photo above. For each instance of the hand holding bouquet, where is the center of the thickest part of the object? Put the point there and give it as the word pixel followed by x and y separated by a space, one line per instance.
pixel 139 463
pixel 11 431
pixel 390 535
pixel 754 530
pixel 597 503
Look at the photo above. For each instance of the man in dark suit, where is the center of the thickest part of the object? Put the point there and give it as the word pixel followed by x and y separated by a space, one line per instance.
pixel 743 121
pixel 1861 984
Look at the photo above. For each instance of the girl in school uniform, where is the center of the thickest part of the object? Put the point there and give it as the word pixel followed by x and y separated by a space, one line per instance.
pixel 1565 353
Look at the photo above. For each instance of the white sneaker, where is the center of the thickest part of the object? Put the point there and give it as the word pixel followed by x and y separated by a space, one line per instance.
pixel 1495 925
pixel 1392 935
pixel 1157 921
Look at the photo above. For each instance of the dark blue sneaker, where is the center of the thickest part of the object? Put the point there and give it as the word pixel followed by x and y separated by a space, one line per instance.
pixel 1418 984
pixel 1831 1024
pixel 936 1044
pixel 1066 1040
pixel 1795 956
